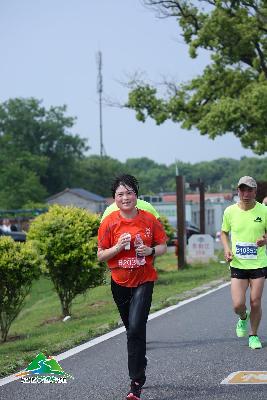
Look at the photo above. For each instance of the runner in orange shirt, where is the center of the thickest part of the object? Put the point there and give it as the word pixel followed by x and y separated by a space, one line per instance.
pixel 128 239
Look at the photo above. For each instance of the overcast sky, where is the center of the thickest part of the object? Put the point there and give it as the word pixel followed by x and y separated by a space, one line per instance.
pixel 48 51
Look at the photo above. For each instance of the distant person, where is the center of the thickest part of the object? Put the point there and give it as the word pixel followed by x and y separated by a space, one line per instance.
pixel 13 228
pixel 6 225
pixel 246 221
pixel 140 204
pixel 218 236
pixel 264 201
pixel 128 239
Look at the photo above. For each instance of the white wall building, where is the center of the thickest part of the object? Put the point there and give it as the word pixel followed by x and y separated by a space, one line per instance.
pixel 79 198
pixel 215 204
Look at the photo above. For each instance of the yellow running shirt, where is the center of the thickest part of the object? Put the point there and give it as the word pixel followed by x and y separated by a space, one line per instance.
pixel 141 204
pixel 245 228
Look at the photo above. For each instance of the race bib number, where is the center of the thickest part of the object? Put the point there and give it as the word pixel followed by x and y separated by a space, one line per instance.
pixel 246 250
pixel 128 262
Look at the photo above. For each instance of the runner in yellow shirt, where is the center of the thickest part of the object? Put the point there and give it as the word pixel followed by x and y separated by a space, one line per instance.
pixel 247 223
pixel 141 204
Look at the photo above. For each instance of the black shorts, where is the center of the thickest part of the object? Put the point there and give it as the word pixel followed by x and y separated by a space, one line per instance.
pixel 248 273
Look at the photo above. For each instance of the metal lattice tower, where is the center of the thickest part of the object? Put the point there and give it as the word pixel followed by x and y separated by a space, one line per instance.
pixel 99 91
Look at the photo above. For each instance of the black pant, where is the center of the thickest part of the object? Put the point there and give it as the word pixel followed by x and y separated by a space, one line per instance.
pixel 134 305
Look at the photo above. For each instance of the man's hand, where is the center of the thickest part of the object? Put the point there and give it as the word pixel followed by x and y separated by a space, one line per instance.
pixel 262 241
pixel 228 255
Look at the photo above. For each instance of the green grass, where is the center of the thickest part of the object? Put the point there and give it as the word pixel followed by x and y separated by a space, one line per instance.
pixel 39 326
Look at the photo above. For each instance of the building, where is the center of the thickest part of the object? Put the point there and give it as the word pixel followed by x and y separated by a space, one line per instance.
pixel 79 198
pixel 215 204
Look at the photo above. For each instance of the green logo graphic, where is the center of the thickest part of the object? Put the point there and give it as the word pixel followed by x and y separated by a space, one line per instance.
pixel 44 370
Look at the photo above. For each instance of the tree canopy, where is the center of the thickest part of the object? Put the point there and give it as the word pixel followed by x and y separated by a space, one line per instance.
pixel 39 157
pixel 95 173
pixel 37 151
pixel 231 93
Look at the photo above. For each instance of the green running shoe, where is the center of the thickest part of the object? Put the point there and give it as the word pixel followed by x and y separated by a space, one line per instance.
pixel 254 342
pixel 242 326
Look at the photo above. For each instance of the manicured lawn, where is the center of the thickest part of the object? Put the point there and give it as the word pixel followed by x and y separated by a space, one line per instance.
pixel 39 326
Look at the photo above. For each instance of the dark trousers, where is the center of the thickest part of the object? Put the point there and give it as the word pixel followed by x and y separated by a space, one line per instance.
pixel 134 305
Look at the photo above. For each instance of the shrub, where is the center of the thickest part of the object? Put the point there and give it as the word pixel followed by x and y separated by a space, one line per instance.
pixel 169 229
pixel 67 238
pixel 19 266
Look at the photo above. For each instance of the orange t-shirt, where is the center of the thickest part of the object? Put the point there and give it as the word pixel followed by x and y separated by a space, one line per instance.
pixel 123 267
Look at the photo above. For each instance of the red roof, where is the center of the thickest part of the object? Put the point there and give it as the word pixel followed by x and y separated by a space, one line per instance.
pixel 194 197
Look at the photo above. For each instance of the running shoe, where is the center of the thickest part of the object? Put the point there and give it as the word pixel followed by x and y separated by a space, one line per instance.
pixel 135 391
pixel 254 342
pixel 137 384
pixel 242 326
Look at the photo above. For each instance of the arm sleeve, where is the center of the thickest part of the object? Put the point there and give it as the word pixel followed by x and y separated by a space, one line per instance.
pixel 160 236
pixel 104 235
pixel 225 222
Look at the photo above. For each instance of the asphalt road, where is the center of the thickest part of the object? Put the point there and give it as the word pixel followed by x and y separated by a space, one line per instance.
pixel 190 350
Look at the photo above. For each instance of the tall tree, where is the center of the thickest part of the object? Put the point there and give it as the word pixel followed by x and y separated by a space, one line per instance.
pixel 153 177
pixel 27 127
pixel 95 173
pixel 19 185
pixel 231 93
pixel 20 173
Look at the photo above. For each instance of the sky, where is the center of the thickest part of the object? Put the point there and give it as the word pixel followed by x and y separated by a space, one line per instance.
pixel 49 48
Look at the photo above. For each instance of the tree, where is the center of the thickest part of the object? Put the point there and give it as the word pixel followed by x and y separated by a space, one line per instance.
pixel 153 177
pixel 231 93
pixel 29 131
pixel 95 174
pixel 67 238
pixel 19 266
pixel 169 229
pixel 19 183
pixel 261 191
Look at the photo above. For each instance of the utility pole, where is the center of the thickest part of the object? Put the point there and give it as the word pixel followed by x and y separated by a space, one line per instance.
pixel 202 207
pixel 99 91
pixel 201 187
pixel 180 203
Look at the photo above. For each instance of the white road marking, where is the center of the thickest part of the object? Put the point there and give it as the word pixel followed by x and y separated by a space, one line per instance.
pixel 246 378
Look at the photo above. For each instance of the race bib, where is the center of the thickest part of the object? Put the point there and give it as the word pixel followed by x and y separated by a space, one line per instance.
pixel 128 262
pixel 246 250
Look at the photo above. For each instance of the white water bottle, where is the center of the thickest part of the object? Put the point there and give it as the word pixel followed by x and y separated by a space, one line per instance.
pixel 128 245
pixel 140 260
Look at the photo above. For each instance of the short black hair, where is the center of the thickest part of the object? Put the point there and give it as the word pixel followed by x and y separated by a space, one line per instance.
pixel 125 180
